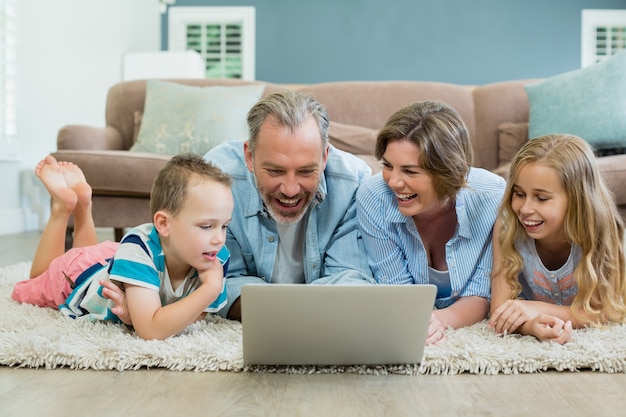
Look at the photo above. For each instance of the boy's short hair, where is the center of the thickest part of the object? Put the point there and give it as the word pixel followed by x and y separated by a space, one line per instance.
pixel 169 190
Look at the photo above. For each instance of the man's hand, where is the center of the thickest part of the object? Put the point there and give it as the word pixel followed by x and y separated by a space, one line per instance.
pixel 114 293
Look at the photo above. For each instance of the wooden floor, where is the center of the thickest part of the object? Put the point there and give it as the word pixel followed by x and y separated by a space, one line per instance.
pixel 66 392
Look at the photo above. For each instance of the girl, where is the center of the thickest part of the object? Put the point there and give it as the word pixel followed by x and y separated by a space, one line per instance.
pixel 558 249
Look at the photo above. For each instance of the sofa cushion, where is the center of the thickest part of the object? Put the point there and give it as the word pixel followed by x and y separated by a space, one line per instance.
pixel 179 118
pixel 589 103
pixel 116 173
pixel 511 137
pixel 351 138
pixel 613 169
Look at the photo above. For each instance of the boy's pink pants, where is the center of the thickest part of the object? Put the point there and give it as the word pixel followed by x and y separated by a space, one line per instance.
pixel 51 288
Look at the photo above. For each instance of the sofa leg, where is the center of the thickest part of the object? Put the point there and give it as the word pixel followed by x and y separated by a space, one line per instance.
pixel 69 238
pixel 119 233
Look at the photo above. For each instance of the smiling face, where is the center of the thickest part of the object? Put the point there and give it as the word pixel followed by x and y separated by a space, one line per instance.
pixel 198 231
pixel 287 166
pixel 413 185
pixel 540 202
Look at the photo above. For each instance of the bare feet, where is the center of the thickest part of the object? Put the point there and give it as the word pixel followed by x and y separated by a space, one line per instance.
pixel 51 175
pixel 75 179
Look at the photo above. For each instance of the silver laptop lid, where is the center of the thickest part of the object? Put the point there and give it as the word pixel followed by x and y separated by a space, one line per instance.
pixel 296 324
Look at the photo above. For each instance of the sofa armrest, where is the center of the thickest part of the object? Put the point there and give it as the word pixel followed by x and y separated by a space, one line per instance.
pixel 89 138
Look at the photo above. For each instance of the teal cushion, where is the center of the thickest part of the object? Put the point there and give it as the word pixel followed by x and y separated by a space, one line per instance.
pixel 589 103
pixel 179 118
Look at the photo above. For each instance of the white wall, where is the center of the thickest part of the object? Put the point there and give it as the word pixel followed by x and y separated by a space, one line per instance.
pixel 70 53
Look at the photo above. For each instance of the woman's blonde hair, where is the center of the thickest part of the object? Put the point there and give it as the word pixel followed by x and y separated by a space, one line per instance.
pixel 592 222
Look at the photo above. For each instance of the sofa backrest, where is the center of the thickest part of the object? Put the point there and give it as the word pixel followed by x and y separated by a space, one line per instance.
pixel 494 104
pixel 370 103
pixel 366 104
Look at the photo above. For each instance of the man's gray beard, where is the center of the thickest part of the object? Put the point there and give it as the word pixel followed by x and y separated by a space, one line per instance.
pixel 282 219
pixel 275 216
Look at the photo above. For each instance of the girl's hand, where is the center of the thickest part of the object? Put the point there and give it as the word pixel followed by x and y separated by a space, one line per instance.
pixel 436 331
pixel 549 328
pixel 509 316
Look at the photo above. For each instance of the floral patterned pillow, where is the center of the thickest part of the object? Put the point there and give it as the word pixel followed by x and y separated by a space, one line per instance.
pixel 179 118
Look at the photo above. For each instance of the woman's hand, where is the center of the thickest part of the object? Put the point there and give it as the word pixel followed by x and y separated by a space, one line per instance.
pixel 436 331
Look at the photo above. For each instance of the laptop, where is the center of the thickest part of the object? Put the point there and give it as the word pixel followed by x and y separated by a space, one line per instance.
pixel 296 324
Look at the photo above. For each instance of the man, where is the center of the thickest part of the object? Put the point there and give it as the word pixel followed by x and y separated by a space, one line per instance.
pixel 295 216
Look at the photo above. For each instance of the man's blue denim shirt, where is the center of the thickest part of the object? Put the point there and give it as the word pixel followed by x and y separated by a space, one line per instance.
pixel 333 253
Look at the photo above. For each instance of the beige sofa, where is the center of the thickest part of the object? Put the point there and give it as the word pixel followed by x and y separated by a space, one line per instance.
pixel 496 116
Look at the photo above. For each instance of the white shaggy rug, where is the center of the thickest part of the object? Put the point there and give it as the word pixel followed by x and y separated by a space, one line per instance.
pixel 43 338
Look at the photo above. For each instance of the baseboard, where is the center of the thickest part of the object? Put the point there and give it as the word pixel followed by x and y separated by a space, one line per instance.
pixel 12 221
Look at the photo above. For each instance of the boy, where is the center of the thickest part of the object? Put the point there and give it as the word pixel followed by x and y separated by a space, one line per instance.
pixel 172 270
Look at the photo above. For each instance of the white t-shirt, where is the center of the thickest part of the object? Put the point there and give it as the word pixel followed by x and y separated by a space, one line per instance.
pixel 289 268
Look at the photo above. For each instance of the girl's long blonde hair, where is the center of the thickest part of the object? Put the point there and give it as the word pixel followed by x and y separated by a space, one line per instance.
pixel 592 222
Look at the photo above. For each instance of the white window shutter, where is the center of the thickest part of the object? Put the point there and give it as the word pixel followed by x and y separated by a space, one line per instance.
pixel 223 36
pixel 603 35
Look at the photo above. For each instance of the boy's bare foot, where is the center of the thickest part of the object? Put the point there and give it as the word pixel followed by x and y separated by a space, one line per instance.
pixel 51 175
pixel 75 179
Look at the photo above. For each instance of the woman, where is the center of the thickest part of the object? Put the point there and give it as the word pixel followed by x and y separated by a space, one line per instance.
pixel 428 216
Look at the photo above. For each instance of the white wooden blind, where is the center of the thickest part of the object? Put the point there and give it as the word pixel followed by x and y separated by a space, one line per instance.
pixel 221 46
pixel 223 36
pixel 603 35
pixel 8 80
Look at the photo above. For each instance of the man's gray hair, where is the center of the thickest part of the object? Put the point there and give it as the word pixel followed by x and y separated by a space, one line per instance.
pixel 288 108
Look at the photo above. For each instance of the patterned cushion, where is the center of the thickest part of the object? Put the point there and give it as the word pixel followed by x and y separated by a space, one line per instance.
pixel 180 118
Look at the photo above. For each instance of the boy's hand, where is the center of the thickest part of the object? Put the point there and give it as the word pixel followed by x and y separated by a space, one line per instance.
pixel 509 316
pixel 214 275
pixel 118 297
pixel 549 328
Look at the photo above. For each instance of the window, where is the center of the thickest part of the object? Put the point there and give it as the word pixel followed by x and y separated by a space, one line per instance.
pixel 8 75
pixel 223 36
pixel 603 35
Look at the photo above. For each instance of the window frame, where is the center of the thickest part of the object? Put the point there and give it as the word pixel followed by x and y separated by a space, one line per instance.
pixel 9 149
